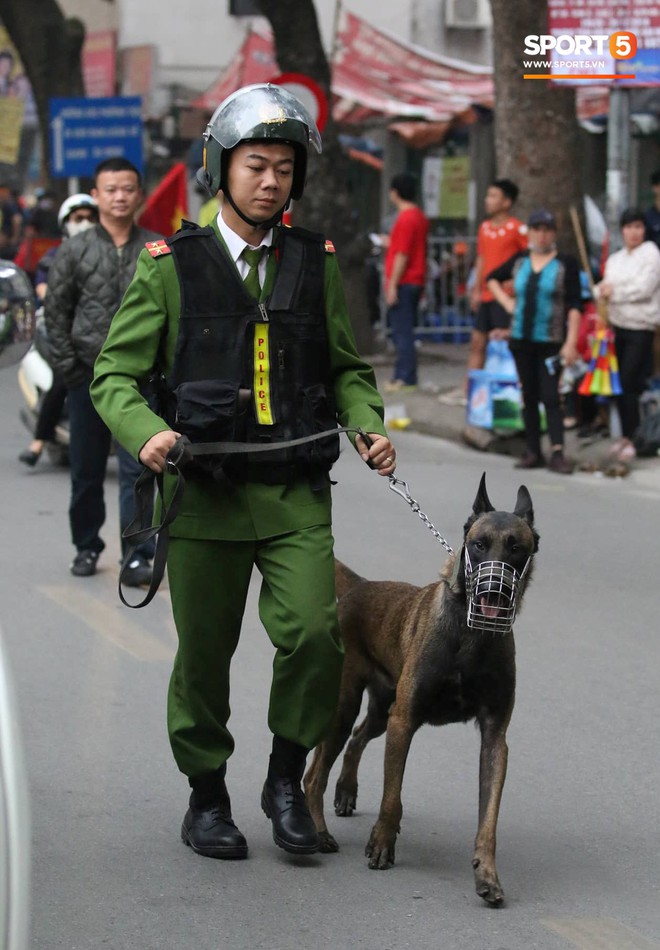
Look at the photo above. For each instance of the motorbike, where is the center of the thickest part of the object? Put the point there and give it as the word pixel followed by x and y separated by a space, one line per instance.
pixel 35 377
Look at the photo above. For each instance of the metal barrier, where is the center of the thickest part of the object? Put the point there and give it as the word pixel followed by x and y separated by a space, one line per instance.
pixel 444 314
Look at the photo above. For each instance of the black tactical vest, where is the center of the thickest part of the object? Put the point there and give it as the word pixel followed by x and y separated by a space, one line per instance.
pixel 253 372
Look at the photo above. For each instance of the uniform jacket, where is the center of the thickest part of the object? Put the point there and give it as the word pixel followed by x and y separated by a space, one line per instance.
pixel 144 331
pixel 86 282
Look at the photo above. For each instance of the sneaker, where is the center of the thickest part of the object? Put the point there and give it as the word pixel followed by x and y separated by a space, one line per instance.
pixel 560 464
pixel 454 397
pixel 530 460
pixel 398 386
pixel 137 573
pixel 84 563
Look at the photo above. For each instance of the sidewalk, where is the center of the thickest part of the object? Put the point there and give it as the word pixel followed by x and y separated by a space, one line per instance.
pixel 441 367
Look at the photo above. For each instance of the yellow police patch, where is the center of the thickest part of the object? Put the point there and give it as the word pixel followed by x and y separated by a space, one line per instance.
pixel 261 387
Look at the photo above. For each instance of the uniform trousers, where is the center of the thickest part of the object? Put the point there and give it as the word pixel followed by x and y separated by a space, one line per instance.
pixel 209 582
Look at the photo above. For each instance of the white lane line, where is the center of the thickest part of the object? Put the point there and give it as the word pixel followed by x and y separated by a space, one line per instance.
pixel 110 621
pixel 599 933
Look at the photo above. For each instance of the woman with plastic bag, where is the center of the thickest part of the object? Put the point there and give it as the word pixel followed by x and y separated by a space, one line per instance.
pixel 546 312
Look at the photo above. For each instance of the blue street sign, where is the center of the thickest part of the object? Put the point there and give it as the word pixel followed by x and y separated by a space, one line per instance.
pixel 645 67
pixel 83 132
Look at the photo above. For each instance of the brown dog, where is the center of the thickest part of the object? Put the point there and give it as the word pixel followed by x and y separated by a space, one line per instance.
pixel 422 657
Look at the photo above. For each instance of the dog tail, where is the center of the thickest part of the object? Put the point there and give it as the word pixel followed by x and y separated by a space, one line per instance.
pixel 345 578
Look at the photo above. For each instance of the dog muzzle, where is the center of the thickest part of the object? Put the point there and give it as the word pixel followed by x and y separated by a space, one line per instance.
pixel 492 591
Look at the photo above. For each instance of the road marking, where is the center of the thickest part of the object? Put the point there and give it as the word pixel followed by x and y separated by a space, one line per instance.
pixel 111 622
pixel 599 933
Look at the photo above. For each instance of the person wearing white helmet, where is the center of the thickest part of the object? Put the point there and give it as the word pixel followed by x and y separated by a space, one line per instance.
pixel 77 213
pixel 86 283
pixel 248 328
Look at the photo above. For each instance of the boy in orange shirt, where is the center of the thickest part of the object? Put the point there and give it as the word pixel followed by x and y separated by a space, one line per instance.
pixel 500 236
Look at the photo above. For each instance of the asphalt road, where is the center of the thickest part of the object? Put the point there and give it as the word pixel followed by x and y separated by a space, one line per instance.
pixel 578 835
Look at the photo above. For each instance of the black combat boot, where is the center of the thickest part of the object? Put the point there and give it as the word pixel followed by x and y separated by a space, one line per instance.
pixel 207 825
pixel 283 799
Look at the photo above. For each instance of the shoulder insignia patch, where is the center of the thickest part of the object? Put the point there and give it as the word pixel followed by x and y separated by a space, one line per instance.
pixel 158 248
pixel 329 247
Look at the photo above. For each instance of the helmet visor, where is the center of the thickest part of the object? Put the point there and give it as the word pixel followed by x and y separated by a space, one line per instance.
pixel 262 111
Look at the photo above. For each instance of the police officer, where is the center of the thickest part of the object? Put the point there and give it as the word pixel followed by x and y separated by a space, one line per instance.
pixel 247 323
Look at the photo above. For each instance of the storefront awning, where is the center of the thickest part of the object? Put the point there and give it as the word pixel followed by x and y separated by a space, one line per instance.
pixel 374 76
pixel 377 77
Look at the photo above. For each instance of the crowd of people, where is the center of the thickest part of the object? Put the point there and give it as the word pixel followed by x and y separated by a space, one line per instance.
pixel 528 292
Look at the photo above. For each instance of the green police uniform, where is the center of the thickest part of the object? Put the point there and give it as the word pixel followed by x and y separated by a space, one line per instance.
pixel 222 531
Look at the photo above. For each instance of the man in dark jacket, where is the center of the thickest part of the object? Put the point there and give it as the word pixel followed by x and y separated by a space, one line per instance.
pixel 86 283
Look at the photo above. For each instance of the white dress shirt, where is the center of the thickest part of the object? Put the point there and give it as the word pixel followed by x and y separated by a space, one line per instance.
pixel 236 245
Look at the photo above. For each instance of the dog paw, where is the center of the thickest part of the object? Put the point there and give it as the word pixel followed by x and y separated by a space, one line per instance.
pixel 327 844
pixel 488 887
pixel 381 856
pixel 345 803
pixel 494 896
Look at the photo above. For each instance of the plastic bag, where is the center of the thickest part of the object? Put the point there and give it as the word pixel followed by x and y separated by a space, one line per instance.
pixel 500 361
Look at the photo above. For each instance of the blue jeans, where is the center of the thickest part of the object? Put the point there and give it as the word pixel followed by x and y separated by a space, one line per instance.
pixel 401 318
pixel 89 447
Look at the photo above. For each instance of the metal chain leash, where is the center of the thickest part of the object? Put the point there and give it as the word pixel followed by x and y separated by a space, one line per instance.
pixel 401 488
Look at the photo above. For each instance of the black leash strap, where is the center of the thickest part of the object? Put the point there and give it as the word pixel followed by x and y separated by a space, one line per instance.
pixel 182 452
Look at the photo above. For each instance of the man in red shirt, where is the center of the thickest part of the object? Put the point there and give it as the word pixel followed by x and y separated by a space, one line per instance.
pixel 499 237
pixel 405 278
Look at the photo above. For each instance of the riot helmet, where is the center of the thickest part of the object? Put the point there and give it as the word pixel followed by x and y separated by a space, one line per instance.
pixel 260 112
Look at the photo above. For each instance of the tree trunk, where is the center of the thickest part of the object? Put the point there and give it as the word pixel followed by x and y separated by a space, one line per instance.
pixel 326 205
pixel 50 46
pixel 536 130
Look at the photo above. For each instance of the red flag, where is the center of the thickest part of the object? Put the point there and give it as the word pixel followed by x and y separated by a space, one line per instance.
pixel 168 202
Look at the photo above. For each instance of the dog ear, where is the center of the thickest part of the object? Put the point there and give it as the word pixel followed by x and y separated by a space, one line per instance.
pixel 482 502
pixel 525 510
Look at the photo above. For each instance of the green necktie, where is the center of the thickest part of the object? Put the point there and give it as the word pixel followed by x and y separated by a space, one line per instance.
pixel 253 256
